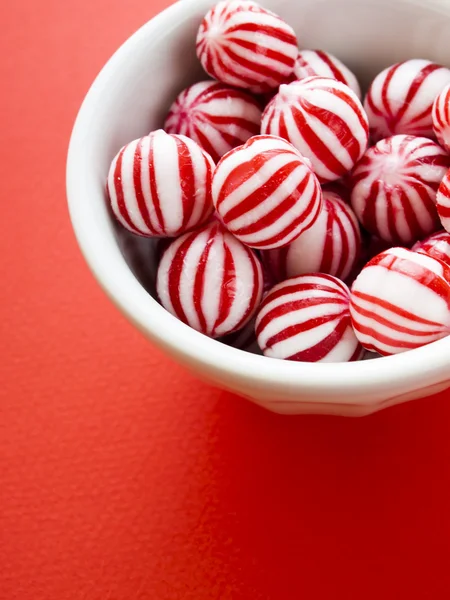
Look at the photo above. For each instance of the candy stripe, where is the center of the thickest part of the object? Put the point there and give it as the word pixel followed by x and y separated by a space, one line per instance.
pixel 394 188
pixel 265 193
pixel 210 281
pixel 154 192
pixel 216 116
pixel 115 190
pixel 307 318
pixel 400 98
pixel 436 245
pixel 324 120
pixel 257 292
pixel 441 118
pixel 174 277
pixel 244 45
pixel 137 174
pixel 160 185
pixel 401 301
pixel 311 63
pixel 228 288
pixel 443 201
pixel 332 245
pixel 199 282
pixel 187 180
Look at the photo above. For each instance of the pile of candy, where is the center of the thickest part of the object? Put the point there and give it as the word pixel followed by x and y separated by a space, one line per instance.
pixel 281 189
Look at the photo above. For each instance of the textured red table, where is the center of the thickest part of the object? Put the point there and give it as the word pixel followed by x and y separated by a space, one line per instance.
pixel 121 476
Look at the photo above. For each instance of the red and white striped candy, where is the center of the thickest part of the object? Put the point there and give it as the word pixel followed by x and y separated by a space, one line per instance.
pixel 210 281
pixel 266 193
pixel 307 318
pixel 216 116
pixel 332 245
pixel 160 185
pixel 443 201
pixel 441 118
pixel 246 46
pixel 400 99
pixel 318 62
pixel 401 301
pixel 436 245
pixel 324 119
pixel 394 188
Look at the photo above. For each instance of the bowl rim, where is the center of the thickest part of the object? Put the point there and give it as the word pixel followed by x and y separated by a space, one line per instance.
pixel 189 346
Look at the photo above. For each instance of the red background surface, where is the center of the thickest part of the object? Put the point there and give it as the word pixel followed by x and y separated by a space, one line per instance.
pixel 124 478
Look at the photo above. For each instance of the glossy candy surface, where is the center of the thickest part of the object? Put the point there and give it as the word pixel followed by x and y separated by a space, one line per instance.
pixel 443 201
pixel 441 118
pixel 324 64
pixel 324 119
pixel 160 185
pixel 216 116
pixel 210 281
pixel 436 245
pixel 394 188
pixel 401 301
pixel 400 98
pixel 266 193
pixel 307 318
pixel 244 45
pixel 332 245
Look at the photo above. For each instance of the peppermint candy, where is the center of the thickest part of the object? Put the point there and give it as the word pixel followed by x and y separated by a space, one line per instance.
pixel 318 62
pixel 246 46
pixel 210 281
pixel 394 188
pixel 266 193
pixel 307 319
pixel 401 301
pixel 324 119
pixel 332 245
pixel 441 118
pixel 216 116
pixel 400 99
pixel 436 245
pixel 160 185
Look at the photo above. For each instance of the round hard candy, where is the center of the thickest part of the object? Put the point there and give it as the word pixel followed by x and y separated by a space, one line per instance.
pixel 160 185
pixel 318 62
pixel 324 119
pixel 401 301
pixel 436 245
pixel 441 118
pixel 216 116
pixel 210 281
pixel 266 193
pixel 246 46
pixel 332 245
pixel 394 188
pixel 400 99
pixel 307 318
pixel 443 201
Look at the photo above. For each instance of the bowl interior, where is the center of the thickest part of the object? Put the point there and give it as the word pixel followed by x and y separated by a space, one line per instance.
pixel 131 97
pixel 367 36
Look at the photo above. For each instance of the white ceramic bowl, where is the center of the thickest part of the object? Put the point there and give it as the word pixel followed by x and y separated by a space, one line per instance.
pixel 131 96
